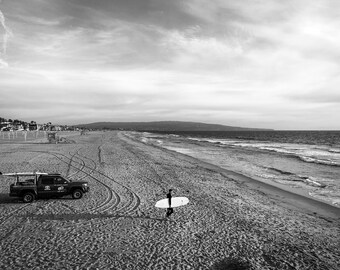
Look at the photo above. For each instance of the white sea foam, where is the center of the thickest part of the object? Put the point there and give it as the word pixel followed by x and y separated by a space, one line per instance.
pixel 144 140
pixel 270 162
pixel 179 149
pixel 309 153
pixel 331 196
pixel 313 182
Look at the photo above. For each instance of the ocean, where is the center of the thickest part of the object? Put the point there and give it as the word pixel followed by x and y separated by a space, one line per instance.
pixel 307 162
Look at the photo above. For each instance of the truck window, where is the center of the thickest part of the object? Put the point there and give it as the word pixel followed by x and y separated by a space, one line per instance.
pixel 47 181
pixel 60 180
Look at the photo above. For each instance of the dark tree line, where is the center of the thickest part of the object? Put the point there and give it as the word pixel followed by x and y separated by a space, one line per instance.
pixel 17 122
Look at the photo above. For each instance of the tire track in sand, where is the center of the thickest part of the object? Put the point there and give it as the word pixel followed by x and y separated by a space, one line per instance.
pixel 141 157
pixel 6 217
pixel 111 200
pixel 134 200
pixel 121 210
pixel 15 214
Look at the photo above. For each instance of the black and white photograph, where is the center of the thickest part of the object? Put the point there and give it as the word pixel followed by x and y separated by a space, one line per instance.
pixel 170 134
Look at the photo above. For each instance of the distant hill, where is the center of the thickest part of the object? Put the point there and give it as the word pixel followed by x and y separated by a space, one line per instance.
pixel 162 126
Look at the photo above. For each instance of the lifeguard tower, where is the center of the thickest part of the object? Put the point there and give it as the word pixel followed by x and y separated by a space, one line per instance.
pixel 52 136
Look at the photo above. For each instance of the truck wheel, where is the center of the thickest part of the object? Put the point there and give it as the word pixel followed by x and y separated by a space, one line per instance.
pixel 28 197
pixel 77 194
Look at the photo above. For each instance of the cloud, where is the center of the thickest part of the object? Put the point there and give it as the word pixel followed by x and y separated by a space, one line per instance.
pixel 40 21
pixel 255 63
pixel 3 64
pixel 5 33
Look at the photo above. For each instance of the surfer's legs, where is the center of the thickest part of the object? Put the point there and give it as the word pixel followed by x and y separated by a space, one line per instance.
pixel 169 211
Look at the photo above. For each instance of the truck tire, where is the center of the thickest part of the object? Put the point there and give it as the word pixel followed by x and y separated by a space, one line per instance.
pixel 77 193
pixel 28 197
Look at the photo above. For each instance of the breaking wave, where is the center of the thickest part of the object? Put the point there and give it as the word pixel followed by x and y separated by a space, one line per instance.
pixel 324 155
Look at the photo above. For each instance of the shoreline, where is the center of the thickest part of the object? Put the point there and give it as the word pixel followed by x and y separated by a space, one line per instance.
pixel 312 180
pixel 286 197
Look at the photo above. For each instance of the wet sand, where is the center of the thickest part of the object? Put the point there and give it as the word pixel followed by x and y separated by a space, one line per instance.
pixel 284 195
pixel 231 220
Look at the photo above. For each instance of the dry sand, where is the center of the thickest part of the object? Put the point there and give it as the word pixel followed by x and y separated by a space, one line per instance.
pixel 231 222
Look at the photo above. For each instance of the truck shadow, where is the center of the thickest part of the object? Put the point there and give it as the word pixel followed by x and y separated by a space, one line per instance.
pixel 232 263
pixel 5 198
pixel 89 216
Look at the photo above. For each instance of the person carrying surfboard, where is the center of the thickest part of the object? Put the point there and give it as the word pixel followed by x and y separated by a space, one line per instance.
pixel 170 202
pixel 169 210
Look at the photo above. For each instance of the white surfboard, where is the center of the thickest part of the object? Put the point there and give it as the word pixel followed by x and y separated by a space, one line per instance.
pixel 22 174
pixel 175 202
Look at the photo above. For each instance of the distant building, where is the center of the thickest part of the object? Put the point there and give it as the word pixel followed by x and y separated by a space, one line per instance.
pixel 18 127
pixel 32 126
pixel 5 125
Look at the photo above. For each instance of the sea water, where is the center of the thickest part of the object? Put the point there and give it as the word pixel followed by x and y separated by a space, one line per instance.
pixel 307 161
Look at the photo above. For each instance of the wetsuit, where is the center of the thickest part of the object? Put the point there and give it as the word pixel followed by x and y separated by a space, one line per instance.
pixel 170 210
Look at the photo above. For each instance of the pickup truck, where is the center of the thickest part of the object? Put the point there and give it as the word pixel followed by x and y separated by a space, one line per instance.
pixel 30 186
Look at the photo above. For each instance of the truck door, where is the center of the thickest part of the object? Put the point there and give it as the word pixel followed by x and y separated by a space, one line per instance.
pixel 61 185
pixel 45 186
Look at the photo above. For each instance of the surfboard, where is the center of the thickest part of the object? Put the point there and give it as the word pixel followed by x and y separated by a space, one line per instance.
pixel 22 174
pixel 175 202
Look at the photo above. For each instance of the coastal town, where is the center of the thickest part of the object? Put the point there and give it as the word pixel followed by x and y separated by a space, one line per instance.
pixel 19 125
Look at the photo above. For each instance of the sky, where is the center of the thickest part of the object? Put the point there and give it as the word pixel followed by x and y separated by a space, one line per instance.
pixel 247 63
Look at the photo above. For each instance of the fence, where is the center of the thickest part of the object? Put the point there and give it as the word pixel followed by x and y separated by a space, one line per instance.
pixel 22 136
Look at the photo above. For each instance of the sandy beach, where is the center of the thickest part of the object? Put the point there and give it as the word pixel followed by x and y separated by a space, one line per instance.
pixel 231 221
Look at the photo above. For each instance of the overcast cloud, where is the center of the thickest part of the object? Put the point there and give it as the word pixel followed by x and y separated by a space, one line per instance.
pixel 271 64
